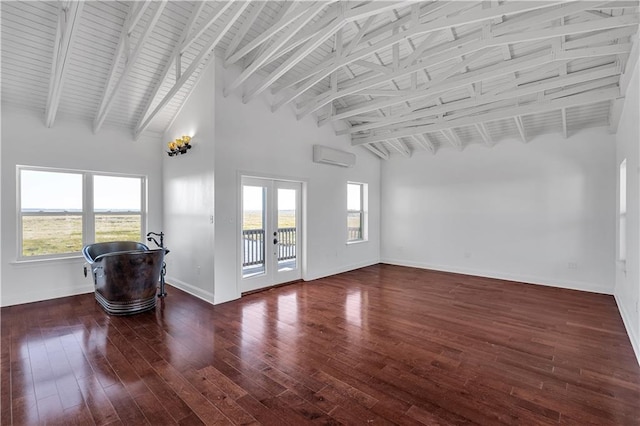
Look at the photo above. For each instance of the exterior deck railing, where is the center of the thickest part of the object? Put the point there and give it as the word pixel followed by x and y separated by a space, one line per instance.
pixel 354 233
pixel 254 245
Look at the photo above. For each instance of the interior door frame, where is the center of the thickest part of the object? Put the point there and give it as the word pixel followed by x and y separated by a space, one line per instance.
pixel 302 242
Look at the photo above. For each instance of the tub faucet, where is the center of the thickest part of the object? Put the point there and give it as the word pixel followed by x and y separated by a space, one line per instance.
pixel 162 293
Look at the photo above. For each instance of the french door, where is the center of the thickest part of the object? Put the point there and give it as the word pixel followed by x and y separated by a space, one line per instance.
pixel 271 232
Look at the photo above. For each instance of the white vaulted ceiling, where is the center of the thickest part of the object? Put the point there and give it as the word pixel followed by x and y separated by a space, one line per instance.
pixel 396 76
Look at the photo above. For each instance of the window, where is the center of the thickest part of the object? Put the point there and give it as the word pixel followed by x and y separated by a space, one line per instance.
pixel 60 211
pixel 117 208
pixel 51 212
pixel 356 212
pixel 622 250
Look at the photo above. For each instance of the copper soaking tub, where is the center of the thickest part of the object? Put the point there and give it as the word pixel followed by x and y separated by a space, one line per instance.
pixel 125 275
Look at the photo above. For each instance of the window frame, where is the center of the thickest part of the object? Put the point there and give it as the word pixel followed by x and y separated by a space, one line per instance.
pixel 363 212
pixel 622 212
pixel 87 214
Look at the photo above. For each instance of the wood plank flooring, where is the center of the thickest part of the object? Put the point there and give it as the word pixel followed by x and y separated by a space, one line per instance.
pixel 380 345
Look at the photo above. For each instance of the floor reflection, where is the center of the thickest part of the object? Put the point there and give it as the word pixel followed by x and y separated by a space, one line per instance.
pixel 253 325
pixel 353 308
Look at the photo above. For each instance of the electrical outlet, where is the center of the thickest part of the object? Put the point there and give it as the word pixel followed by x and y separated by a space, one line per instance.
pixel 572 265
pixel 467 255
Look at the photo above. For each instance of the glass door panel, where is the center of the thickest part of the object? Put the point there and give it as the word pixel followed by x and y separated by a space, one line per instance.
pixel 270 239
pixel 253 230
pixel 287 227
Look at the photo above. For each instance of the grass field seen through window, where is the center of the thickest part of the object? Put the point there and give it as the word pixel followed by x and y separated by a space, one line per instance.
pixel 44 235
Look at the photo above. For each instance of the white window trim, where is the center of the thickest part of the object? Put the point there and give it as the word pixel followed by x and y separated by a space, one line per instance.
pixel 87 214
pixel 622 215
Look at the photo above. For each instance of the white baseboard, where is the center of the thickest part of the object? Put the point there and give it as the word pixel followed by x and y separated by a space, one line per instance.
pixel 340 270
pixel 528 279
pixel 44 294
pixel 191 289
pixel 626 320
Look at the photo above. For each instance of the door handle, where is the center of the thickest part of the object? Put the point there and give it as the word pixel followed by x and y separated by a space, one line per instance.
pixel 275 241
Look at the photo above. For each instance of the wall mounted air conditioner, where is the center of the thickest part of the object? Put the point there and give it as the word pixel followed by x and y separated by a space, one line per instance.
pixel 325 155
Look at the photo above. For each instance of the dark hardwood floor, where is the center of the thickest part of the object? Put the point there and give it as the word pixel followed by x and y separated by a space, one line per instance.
pixel 380 345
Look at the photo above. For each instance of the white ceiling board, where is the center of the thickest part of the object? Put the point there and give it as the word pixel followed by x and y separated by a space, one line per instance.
pixel 464 50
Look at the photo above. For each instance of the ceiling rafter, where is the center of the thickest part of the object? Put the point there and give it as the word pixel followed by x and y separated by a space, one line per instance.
pixel 509 112
pixel 600 76
pixel 484 134
pixel 400 146
pixel 520 126
pixel 175 59
pixel 425 142
pixel 122 51
pixel 289 13
pixel 491 71
pixel 625 76
pixel 342 18
pixel 206 24
pixel 451 136
pixel 68 18
pixel 244 29
pixel 202 58
pixel 302 37
pixel 378 151
pixel 465 48
pixel 420 29
pixel 280 41
pixel 400 76
pixel 360 39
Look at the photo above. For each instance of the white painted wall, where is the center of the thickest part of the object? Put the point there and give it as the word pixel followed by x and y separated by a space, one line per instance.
pixel 72 145
pixel 252 139
pixel 518 212
pixel 627 278
pixel 231 138
pixel 188 181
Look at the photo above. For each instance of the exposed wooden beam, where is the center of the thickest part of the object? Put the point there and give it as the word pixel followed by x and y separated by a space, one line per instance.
pixel 302 37
pixel 600 37
pixel 425 28
pixel 351 14
pixel 400 146
pixel 138 12
pixel 383 154
pixel 458 81
pixel 275 45
pixel 68 17
pixel 437 87
pixel 484 134
pixel 510 112
pixel 300 54
pixel 356 39
pixel 520 126
pixel 453 139
pixel 205 25
pixel 291 12
pixel 597 77
pixel 539 17
pixel 201 59
pixel 617 105
pixel 565 129
pixel 425 142
pixel 244 29
pixel 465 48
pixel 110 93
pixel 175 59
pixel 367 38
